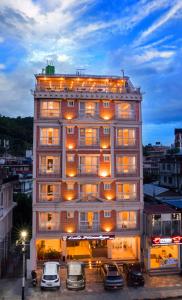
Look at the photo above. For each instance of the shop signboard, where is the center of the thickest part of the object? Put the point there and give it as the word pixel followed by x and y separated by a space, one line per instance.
pixel 166 240
pixel 88 237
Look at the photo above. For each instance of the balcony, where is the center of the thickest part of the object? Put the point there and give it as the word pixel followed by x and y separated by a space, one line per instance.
pixel 166 228
pixel 125 142
pixel 44 197
pixel 86 227
pixel 53 170
pixel 49 113
pixel 87 113
pixel 49 226
pixel 127 225
pixel 88 170
pixel 125 169
pixel 90 142
pixel 126 196
pixel 49 141
pixel 88 196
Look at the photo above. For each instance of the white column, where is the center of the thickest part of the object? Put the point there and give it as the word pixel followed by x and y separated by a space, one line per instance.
pixel 112 150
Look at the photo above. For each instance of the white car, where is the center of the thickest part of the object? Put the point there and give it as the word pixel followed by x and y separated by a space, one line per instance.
pixel 50 277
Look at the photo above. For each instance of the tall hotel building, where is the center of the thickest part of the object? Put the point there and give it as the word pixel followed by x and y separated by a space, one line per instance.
pixel 87 199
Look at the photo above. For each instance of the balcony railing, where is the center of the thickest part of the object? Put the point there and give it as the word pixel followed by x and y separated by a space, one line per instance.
pixel 166 228
pixel 92 112
pixel 125 169
pixel 88 170
pixel 49 226
pixel 127 225
pixel 88 196
pixel 49 141
pixel 49 113
pixel 126 196
pixel 125 142
pixel 44 197
pixel 54 170
pixel 86 227
pixel 130 115
pixel 88 142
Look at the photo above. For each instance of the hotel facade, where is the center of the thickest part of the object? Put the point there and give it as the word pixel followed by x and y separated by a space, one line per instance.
pixel 87 191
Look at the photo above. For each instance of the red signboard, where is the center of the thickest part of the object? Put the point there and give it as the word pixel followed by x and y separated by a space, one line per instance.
pixel 167 240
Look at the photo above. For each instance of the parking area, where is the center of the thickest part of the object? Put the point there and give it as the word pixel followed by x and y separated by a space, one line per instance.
pixel 156 287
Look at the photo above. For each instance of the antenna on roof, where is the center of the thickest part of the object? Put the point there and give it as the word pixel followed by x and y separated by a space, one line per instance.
pixel 80 71
pixel 122 72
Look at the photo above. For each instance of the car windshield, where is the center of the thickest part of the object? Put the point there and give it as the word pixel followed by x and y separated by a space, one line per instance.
pixel 75 277
pixel 135 268
pixel 115 277
pixel 112 268
pixel 50 277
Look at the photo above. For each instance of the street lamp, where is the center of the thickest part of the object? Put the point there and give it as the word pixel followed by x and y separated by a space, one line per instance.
pixel 23 235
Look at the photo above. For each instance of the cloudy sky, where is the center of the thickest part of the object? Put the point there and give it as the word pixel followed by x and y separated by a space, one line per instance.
pixel 143 37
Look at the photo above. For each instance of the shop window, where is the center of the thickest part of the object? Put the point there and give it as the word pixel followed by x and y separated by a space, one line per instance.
pixel 162 257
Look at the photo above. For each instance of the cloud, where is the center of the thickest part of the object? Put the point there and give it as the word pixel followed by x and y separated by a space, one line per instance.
pixel 152 54
pixel 2 66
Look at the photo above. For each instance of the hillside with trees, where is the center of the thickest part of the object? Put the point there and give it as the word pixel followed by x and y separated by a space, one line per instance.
pixel 16 135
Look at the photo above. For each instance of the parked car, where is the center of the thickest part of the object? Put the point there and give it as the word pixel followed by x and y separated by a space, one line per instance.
pixel 75 275
pixel 111 276
pixel 50 277
pixel 134 275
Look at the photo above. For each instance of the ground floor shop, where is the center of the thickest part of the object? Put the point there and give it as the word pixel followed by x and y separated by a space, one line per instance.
pixel 78 247
pixel 162 257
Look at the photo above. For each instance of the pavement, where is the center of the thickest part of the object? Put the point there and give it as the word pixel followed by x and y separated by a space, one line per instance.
pixel 156 287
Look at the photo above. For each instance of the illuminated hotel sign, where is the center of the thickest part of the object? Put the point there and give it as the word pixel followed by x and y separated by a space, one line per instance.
pixel 166 240
pixel 88 237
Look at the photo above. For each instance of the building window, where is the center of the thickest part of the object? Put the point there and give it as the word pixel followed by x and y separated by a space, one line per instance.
pixel 88 108
pixel 70 157
pixel 127 219
pixel 49 192
pixel 89 164
pixel 107 186
pixel 70 214
pixel 50 109
pixel 106 104
pixel 107 213
pixel 70 103
pixel 49 221
pixel 106 157
pixel 88 191
pixel 125 137
pixel 125 110
pixel 49 164
pixel 49 136
pixel 126 191
pixel 89 137
pixel 106 130
pixel 126 164
pixel 70 130
pixel 70 186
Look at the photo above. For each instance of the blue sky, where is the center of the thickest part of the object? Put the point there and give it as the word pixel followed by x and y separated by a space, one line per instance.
pixel 143 37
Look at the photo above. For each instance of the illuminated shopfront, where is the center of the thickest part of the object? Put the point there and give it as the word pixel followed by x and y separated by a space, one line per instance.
pixel 124 248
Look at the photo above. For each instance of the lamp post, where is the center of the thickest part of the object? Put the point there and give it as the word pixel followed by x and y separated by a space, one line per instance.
pixel 23 239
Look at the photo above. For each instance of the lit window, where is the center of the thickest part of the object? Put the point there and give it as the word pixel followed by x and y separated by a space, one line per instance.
pixel 106 104
pixel 70 186
pixel 70 214
pixel 70 157
pixel 107 213
pixel 70 103
pixel 106 157
pixel 70 130
pixel 106 130
pixel 107 186
pixel 49 136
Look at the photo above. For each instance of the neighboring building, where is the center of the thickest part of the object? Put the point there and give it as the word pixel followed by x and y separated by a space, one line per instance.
pixel 162 238
pixel 178 138
pixel 6 208
pixel 24 185
pixel 151 160
pixel 87 193
pixel 171 172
